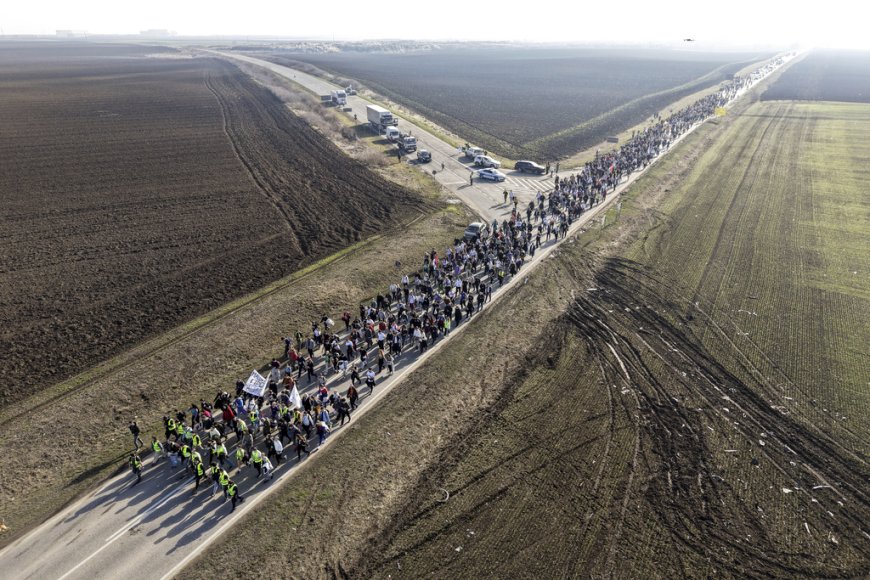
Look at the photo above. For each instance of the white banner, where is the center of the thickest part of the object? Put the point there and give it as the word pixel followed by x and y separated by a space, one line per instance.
pixel 256 384
pixel 295 399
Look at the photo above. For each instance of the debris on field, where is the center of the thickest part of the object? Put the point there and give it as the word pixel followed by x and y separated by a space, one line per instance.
pixel 458 548
pixel 787 490
pixel 807 528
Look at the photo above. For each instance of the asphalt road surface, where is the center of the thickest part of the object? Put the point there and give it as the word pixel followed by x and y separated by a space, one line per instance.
pixel 151 529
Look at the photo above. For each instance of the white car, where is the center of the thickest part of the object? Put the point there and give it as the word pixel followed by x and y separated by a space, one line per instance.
pixel 491 174
pixel 486 161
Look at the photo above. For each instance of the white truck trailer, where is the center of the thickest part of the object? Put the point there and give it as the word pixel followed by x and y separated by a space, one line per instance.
pixel 379 118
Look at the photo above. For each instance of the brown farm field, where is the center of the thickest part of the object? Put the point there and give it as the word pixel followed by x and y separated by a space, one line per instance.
pixel 682 393
pixel 139 192
pixel 529 102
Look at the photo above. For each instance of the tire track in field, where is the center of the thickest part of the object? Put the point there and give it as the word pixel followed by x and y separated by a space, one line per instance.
pixel 737 195
pixel 262 187
pixel 691 506
pixel 571 567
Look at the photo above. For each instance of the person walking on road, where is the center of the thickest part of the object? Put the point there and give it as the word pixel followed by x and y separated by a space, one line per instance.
pixel 352 397
pixel 370 381
pixel 198 473
pixel 215 473
pixel 257 461
pixel 301 445
pixel 224 481
pixel 157 448
pixel 136 466
pixel 233 493
pixel 137 441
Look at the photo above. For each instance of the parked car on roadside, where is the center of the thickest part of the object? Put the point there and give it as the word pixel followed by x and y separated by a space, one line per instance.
pixel 424 156
pixel 491 174
pixel 529 167
pixel 486 161
pixel 473 152
pixel 476 230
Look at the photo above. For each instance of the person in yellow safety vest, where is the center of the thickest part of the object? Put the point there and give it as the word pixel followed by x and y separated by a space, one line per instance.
pixel 179 430
pixel 257 461
pixel 136 466
pixel 198 472
pixel 215 473
pixel 169 422
pixel 185 455
pixel 254 416
pixel 241 428
pixel 240 456
pixel 195 456
pixel 195 441
pixel 157 448
pixel 233 492
pixel 224 481
pixel 221 452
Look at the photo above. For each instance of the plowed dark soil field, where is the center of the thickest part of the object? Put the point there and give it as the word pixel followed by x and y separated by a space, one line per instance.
pixel 541 103
pixel 825 76
pixel 139 192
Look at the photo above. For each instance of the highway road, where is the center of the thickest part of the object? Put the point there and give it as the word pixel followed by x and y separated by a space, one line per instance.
pixel 484 197
pixel 151 529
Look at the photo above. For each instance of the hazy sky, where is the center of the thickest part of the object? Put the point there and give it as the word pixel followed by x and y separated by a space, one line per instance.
pixel 832 23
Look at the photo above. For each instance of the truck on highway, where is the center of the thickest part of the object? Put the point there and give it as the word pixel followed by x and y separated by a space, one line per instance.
pixel 407 143
pixel 379 118
pixel 339 97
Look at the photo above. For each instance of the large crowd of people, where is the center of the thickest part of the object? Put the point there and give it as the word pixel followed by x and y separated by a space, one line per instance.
pixel 334 366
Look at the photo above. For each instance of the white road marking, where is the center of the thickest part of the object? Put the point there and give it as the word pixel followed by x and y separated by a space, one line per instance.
pixel 111 539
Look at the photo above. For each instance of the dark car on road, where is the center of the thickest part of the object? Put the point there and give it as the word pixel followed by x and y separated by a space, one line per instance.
pixel 529 167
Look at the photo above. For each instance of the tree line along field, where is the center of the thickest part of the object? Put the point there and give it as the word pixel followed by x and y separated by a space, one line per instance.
pixel 684 394
pixel 825 76
pixel 528 102
pixel 139 192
